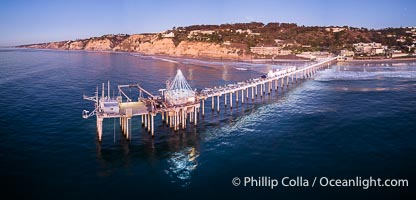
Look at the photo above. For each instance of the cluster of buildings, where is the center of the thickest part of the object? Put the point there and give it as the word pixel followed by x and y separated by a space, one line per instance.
pixel 312 55
pixel 279 51
pixel 195 33
pixel 335 29
pixel 407 41
pixel 270 50
pixel 248 32
pixel 372 49
pixel 192 34
pixel 412 33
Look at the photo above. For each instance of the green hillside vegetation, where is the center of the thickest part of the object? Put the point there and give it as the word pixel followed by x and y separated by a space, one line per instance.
pixel 312 38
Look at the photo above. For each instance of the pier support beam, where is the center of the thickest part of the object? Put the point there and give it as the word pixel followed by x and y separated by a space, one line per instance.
pixel 182 119
pixel 176 120
pixel 191 116
pixel 148 122
pixel 287 81
pixel 195 118
pixel 173 121
pixel 100 128
pixel 242 96
pixel 218 103
pixel 153 125
pixel 225 100
pixel 252 93
pixel 247 93
pixel 276 83
pixel 213 103
pixel 261 89
pixel 231 99
pixel 128 127
pixel 145 120
pixel 123 125
pixel 236 96
pixel 203 108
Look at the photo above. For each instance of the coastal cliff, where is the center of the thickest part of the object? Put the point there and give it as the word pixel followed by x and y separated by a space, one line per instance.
pixel 255 40
pixel 149 44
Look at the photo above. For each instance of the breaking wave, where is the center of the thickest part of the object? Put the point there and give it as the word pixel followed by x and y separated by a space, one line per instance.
pixel 352 73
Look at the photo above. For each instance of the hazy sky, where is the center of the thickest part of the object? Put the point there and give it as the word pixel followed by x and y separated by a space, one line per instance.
pixel 34 21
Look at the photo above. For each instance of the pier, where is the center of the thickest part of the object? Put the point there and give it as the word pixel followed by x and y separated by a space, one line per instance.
pixel 179 105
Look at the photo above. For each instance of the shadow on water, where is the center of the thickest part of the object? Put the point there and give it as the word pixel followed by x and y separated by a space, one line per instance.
pixel 177 152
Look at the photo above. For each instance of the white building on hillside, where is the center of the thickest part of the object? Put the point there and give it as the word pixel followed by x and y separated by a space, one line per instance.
pixel 168 35
pixel 197 32
pixel 335 29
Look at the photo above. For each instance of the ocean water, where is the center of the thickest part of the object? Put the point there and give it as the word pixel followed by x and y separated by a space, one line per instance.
pixel 354 119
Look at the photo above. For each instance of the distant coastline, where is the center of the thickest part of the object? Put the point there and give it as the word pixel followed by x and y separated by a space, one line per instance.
pixel 394 60
pixel 254 41
pixel 147 44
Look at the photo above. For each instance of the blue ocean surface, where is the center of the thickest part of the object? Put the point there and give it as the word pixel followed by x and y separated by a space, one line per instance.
pixel 351 119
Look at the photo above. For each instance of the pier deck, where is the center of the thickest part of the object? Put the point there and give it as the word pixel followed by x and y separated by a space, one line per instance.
pixel 137 108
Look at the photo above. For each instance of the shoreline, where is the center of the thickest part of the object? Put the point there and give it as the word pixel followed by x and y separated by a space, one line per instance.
pixel 257 61
pixel 278 60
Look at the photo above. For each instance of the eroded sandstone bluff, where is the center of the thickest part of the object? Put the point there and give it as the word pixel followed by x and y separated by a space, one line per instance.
pixel 149 44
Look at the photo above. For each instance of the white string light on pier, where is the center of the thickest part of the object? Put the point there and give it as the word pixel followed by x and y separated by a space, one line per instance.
pixel 179 92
